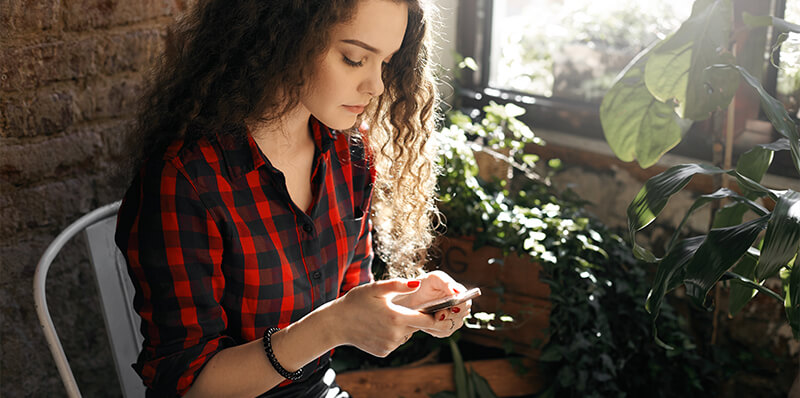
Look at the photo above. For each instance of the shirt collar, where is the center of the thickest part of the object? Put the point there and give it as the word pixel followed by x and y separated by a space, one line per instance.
pixel 241 155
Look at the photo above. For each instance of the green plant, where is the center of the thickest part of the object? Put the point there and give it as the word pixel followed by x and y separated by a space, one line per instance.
pixel 689 76
pixel 469 384
pixel 600 338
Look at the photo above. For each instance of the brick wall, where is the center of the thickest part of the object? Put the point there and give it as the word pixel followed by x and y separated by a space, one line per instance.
pixel 70 73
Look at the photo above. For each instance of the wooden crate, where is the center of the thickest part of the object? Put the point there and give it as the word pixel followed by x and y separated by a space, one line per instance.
pixel 511 286
pixel 419 382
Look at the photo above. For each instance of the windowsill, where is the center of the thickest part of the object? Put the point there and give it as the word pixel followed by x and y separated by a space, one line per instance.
pixel 597 154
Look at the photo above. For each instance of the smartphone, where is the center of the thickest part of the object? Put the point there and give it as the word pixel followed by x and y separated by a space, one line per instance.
pixel 447 302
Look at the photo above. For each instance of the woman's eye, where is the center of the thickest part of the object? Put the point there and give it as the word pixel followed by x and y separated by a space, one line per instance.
pixel 352 63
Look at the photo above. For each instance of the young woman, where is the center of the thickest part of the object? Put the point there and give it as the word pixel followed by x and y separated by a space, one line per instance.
pixel 248 226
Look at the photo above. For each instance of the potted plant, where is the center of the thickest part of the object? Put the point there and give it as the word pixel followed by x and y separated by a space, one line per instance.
pixel 525 240
pixel 650 100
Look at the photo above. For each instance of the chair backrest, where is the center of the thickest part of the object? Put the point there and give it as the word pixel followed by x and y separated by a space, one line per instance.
pixel 116 295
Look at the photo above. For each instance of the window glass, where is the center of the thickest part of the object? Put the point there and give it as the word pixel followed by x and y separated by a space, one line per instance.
pixel 788 86
pixel 573 49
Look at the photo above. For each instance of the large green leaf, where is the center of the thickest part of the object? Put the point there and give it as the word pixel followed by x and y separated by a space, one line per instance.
pixel 669 275
pixel 741 293
pixel 651 199
pixel 722 248
pixel 747 183
pixel 635 124
pixel 791 289
pixel 677 72
pixel 783 236
pixel 754 163
pixel 482 388
pixel 459 370
pixel 705 199
pixel 775 111
pixel 748 283
pixel 654 195
pixel 728 215
pixel 671 270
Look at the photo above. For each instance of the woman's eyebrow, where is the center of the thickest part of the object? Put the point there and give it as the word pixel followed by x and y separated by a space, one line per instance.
pixel 362 45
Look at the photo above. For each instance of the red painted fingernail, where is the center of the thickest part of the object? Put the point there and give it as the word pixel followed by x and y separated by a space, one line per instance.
pixel 441 318
pixel 456 309
pixel 413 284
pixel 456 291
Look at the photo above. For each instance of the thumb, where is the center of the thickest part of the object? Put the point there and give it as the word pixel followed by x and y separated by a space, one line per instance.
pixel 396 286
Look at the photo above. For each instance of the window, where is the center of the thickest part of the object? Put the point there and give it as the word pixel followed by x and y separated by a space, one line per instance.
pixel 573 49
pixel 557 58
pixel 788 84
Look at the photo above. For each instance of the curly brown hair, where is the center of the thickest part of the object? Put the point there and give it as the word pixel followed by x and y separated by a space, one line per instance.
pixel 230 63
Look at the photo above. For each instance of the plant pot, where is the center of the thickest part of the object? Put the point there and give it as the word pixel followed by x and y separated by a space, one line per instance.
pixel 510 286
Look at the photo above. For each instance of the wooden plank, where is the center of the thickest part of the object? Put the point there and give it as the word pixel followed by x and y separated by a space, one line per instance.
pixel 419 382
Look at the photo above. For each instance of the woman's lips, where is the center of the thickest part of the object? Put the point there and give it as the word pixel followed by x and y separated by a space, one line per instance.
pixel 357 109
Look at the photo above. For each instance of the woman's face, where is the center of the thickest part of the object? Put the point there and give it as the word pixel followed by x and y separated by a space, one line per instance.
pixel 349 75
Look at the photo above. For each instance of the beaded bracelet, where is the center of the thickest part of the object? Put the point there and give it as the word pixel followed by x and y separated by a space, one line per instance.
pixel 274 361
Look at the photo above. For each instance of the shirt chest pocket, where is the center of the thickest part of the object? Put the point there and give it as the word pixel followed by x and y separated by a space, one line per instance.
pixel 347 234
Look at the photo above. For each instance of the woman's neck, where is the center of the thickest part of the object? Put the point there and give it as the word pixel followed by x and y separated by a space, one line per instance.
pixel 284 136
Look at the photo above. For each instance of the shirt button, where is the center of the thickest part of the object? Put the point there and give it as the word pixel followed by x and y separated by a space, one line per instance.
pixel 316 275
pixel 308 228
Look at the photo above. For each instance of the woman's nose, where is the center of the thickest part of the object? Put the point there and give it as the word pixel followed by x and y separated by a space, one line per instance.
pixel 373 84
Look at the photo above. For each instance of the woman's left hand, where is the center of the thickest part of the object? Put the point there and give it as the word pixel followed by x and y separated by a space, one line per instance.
pixel 435 285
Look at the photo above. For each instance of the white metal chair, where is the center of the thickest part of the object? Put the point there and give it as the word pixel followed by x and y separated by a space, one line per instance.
pixel 116 295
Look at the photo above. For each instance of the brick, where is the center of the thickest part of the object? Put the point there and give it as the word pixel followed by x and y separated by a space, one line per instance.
pixel 133 51
pixel 82 14
pixel 116 139
pixel 41 113
pixel 19 255
pixel 27 67
pixel 51 206
pixel 32 66
pixel 104 97
pixel 26 16
pixel 57 157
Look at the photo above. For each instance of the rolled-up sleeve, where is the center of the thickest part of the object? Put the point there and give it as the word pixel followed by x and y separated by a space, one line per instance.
pixel 174 252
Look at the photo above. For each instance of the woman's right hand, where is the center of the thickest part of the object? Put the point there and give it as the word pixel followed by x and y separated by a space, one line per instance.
pixel 366 318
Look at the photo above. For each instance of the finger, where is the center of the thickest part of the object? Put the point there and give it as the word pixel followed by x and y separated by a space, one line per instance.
pixel 445 327
pixel 397 286
pixel 412 318
pixel 461 309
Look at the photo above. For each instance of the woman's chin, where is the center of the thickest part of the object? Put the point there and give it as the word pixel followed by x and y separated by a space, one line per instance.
pixel 341 124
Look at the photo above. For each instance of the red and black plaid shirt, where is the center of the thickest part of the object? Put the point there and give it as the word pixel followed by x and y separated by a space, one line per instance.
pixel 218 252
